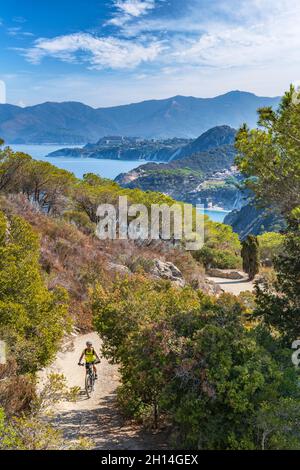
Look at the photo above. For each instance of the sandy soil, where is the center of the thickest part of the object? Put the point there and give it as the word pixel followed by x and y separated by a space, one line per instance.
pixel 96 418
pixel 233 286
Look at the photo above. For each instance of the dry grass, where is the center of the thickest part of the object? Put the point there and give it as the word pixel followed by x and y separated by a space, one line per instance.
pixel 16 391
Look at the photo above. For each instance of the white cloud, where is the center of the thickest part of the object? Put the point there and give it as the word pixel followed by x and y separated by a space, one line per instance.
pixel 98 52
pixel 224 44
pixel 130 9
pixel 273 39
pixel 254 35
pixel 18 32
pixel 225 34
pixel 135 7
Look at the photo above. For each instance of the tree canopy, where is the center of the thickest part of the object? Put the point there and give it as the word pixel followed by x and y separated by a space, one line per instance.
pixel 32 319
pixel 269 156
pixel 190 357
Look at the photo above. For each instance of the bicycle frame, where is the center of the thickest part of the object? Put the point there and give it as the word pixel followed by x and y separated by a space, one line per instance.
pixel 89 379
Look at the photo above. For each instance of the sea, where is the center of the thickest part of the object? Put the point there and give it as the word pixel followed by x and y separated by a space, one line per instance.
pixel 105 168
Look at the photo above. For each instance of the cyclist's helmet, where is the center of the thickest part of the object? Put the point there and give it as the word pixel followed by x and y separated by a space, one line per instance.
pixel 88 343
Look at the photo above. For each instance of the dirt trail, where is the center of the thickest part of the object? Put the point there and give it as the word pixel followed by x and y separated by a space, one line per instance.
pixel 96 418
pixel 233 286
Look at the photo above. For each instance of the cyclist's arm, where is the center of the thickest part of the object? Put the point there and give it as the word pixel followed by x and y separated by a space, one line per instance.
pixel 81 357
pixel 98 358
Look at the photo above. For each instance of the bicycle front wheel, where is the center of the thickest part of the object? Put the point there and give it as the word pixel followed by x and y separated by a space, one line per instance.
pixel 88 385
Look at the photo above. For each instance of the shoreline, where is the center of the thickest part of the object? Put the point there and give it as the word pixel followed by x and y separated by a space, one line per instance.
pixel 216 209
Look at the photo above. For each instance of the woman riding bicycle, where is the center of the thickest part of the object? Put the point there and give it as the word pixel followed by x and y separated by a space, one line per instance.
pixel 90 356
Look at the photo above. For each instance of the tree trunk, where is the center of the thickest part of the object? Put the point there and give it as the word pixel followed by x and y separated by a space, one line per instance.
pixel 155 405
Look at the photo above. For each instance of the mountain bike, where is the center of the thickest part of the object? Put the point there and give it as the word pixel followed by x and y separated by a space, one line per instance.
pixel 89 378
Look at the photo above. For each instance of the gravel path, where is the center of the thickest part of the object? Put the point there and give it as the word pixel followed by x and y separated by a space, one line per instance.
pixel 96 418
pixel 233 286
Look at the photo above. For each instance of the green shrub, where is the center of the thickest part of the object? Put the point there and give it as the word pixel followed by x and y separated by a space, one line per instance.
pixel 139 264
pixel 214 258
pixel 270 246
pixel 32 319
pixel 81 220
pixel 188 358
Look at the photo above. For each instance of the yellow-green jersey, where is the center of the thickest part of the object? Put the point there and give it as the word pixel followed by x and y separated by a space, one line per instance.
pixel 90 355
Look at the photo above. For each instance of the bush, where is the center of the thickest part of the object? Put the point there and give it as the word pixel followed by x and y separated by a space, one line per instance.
pixel 270 246
pixel 32 319
pixel 222 248
pixel 189 358
pixel 139 264
pixel 132 406
pixel 81 220
pixel 214 258
pixel 16 391
pixel 34 431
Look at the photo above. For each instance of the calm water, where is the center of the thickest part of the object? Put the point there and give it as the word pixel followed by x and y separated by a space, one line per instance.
pixel 79 166
pixel 216 216
pixel 105 168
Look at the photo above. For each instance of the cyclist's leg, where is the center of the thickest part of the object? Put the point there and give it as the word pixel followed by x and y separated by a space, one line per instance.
pixel 95 370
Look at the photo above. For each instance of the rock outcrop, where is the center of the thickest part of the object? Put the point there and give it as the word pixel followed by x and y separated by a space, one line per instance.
pixel 168 271
pixel 225 274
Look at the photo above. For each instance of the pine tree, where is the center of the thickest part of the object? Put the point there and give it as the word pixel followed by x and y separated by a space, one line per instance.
pixel 279 304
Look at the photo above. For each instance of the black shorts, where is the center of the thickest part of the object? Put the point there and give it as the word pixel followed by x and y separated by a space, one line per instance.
pixel 88 364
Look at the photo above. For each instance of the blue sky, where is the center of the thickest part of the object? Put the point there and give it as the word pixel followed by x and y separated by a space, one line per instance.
pixel 109 52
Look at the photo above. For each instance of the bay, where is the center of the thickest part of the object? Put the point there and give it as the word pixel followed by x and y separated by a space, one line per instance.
pixel 79 166
pixel 105 168
pixel 216 215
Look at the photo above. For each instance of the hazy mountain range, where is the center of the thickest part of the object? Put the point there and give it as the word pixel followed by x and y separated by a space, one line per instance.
pixel 179 116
